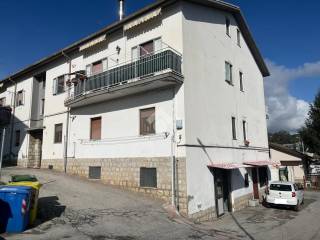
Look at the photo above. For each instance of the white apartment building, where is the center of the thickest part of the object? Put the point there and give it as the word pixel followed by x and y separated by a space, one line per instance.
pixel 168 101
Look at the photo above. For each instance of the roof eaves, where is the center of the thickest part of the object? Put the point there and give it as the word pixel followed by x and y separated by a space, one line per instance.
pixel 286 150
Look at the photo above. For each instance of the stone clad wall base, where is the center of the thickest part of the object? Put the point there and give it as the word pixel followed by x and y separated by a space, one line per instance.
pixel 125 173
pixel 204 215
pixel 242 202
pixel 22 162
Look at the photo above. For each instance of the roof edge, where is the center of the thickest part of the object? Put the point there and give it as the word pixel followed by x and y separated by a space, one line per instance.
pixel 118 24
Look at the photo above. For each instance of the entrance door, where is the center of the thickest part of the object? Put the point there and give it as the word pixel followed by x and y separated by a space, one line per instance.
pixel 255 183
pixel 222 190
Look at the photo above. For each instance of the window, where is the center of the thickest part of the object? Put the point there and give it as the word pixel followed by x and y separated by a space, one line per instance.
pixel 233 122
pixel 228 26
pixel 59 84
pixel 241 81
pixel 238 37
pixel 94 172
pixel 97 67
pixel 263 176
pixel 281 187
pixel 146 48
pixel 246 180
pixel 95 128
pixel 147 121
pixel 17 138
pixel 42 106
pixel 244 123
pixel 148 177
pixel 19 98
pixel 2 102
pixel 58 133
pixel 228 71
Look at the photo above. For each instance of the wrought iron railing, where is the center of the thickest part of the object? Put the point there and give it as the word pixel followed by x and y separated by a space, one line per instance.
pixel 164 60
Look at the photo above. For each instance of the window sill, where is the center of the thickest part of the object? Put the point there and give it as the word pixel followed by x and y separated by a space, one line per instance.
pixel 154 188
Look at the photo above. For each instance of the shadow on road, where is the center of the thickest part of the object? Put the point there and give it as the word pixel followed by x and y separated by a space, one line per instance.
pixel 48 209
pixel 242 228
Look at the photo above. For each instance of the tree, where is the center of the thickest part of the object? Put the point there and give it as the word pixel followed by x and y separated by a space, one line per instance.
pixel 283 137
pixel 310 133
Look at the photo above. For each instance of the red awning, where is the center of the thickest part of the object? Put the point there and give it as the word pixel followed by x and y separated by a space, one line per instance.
pixel 262 163
pixel 227 165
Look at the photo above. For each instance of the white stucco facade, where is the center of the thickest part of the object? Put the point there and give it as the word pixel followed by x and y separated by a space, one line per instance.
pixel 203 104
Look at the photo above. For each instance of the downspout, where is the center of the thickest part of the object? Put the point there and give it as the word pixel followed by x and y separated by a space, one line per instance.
pixel 67 123
pixel 12 117
pixel 173 162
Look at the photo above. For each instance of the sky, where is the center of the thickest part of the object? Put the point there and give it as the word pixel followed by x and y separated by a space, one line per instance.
pixel 286 33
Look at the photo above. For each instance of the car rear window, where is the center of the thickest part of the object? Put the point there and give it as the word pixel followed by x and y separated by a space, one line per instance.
pixel 280 187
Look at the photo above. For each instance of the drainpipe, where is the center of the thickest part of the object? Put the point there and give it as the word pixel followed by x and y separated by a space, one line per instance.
pixel 173 162
pixel 67 123
pixel 12 117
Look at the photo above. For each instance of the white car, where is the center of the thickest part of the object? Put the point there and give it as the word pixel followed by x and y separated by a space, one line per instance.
pixel 285 194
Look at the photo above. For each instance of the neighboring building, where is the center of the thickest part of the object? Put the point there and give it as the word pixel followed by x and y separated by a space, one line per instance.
pixel 170 97
pixel 293 165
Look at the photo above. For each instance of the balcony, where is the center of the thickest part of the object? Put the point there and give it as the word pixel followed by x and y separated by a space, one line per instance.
pixel 160 69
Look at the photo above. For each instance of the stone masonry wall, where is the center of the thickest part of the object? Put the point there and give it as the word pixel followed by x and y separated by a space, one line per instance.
pixel 242 202
pixel 125 173
pixel 34 152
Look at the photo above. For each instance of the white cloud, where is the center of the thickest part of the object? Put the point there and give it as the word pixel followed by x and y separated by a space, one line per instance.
pixel 286 112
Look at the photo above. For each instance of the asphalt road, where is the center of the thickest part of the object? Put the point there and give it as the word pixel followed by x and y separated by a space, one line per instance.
pixel 75 208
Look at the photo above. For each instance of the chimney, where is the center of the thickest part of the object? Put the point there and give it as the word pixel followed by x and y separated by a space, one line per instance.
pixel 121 13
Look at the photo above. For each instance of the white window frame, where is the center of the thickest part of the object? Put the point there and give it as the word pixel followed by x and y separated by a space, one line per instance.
pixel 105 66
pixel 23 98
pixel 55 85
pixel 155 46
pixel 229 64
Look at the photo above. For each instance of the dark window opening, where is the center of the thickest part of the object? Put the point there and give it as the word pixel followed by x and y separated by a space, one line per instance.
pixel 42 107
pixel 263 176
pixel 246 180
pixel 238 37
pixel 95 128
pixel 147 121
pixel 234 133
pixel 94 172
pixel 58 133
pixel 148 177
pixel 19 98
pixel 228 26
pixel 244 130
pixel 241 81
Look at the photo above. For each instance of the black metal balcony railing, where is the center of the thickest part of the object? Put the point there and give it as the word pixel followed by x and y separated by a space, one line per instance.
pixel 150 64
